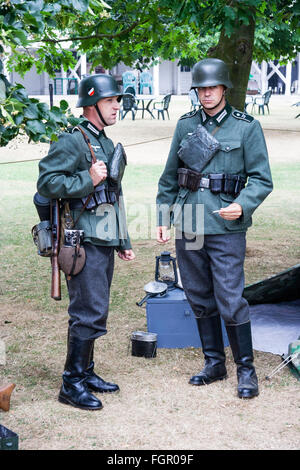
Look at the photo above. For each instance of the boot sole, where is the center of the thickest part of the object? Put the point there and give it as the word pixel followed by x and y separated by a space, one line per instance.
pixel 102 391
pixel 208 382
pixel 70 403
pixel 247 396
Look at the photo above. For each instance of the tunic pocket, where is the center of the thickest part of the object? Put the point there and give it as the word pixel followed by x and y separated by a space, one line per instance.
pixel 232 156
pixel 88 156
pixel 99 156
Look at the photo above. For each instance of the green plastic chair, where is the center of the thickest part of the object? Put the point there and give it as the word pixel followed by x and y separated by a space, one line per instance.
pixel 146 81
pixel 162 106
pixel 262 101
pixel 128 104
pixel 129 80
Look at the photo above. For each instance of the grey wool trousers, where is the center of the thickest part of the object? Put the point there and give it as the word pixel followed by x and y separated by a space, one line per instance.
pixel 213 276
pixel 89 293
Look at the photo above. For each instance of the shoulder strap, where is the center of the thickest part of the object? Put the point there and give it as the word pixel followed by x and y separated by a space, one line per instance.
pixel 94 161
pixel 88 143
pixel 216 129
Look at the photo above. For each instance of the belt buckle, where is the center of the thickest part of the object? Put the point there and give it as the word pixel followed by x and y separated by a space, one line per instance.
pixel 204 182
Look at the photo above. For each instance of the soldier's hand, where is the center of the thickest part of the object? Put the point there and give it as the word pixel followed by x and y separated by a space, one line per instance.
pixel 161 234
pixel 98 172
pixel 126 255
pixel 231 212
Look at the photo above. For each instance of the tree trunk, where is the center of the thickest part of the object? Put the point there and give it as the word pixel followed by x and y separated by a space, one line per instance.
pixel 237 52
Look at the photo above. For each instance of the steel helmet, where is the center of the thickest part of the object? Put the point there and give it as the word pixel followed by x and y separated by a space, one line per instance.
pixel 210 72
pixel 94 87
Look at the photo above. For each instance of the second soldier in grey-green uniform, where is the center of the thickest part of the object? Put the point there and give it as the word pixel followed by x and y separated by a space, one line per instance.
pixel 68 172
pixel 229 187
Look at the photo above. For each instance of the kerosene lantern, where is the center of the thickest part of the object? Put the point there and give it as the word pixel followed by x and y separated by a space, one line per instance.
pixel 165 269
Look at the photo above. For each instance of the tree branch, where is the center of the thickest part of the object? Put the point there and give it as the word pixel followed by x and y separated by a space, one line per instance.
pixel 96 36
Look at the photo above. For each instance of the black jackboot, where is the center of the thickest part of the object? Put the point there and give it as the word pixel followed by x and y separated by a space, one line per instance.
pixel 74 390
pixel 210 332
pixel 94 382
pixel 240 340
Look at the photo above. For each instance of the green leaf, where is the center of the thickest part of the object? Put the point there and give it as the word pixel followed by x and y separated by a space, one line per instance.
pixel 80 5
pixel 230 12
pixel 34 7
pixel 16 105
pixel 19 93
pixel 43 110
pixel 31 112
pixel 56 115
pixel 64 105
pixel 74 121
pixel 19 118
pixel 36 127
pixel 54 138
pixel 20 37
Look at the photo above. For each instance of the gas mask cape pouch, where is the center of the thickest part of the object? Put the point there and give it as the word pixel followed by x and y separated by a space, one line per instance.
pixel 198 149
pixel 118 164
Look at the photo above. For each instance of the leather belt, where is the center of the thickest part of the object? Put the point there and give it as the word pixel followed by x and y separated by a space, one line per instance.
pixel 215 182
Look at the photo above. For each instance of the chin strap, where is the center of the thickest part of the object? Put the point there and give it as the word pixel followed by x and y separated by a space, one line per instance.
pixel 100 114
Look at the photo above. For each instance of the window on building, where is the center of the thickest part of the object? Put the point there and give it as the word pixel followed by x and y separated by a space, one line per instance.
pixel 185 68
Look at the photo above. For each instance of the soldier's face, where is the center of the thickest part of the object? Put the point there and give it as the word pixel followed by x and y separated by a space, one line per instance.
pixel 212 97
pixel 109 108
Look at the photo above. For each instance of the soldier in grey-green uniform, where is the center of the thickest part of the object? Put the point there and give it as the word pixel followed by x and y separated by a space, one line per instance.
pixel 68 172
pixel 229 187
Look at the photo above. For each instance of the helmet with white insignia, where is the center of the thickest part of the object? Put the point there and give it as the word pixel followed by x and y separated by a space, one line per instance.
pixel 95 87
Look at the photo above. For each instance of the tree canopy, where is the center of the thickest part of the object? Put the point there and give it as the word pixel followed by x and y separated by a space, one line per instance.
pixel 45 32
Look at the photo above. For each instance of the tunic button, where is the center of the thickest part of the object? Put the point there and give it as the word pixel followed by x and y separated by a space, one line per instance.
pixel 210 123
pixel 227 148
pixel 201 189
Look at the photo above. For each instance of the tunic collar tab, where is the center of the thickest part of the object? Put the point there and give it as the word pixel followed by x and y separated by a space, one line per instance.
pixel 218 118
pixel 92 128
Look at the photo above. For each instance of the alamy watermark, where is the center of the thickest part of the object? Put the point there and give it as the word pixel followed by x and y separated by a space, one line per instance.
pixel 140 221
pixel 2 353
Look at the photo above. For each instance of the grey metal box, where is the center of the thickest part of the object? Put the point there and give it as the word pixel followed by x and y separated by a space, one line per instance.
pixel 171 317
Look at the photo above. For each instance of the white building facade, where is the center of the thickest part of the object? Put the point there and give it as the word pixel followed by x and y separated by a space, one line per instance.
pixel 168 77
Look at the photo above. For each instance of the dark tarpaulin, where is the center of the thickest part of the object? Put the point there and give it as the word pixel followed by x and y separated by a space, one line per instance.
pixel 281 287
pixel 275 311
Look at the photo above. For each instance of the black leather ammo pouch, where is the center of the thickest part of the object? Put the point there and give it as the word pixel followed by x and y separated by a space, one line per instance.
pixel 102 195
pixel 188 178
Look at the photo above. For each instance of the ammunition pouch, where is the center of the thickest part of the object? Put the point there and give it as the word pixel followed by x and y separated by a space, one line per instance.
pixel 188 179
pixel 215 182
pixel 102 195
